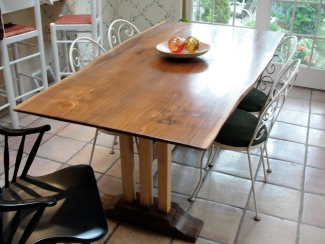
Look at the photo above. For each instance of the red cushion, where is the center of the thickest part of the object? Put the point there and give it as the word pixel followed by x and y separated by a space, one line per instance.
pixel 74 19
pixel 13 30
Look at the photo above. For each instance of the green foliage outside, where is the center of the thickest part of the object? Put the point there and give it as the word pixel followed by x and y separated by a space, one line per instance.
pixel 273 26
pixel 305 20
pixel 305 17
pixel 304 23
pixel 203 11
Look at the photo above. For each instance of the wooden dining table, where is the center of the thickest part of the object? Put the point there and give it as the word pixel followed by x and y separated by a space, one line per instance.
pixel 139 92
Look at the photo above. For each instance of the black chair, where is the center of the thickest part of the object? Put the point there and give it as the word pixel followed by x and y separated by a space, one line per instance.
pixel 63 206
pixel 244 131
pixel 254 101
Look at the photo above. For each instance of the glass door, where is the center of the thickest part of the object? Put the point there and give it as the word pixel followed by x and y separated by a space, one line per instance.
pixel 303 18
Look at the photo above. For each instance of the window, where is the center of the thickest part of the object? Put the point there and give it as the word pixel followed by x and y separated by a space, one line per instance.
pixel 235 12
pixel 306 20
pixel 303 18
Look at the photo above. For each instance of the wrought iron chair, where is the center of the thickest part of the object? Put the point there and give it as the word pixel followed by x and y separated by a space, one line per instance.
pixel 254 101
pixel 245 132
pixel 82 51
pixel 63 206
pixel 17 35
pixel 74 23
pixel 119 31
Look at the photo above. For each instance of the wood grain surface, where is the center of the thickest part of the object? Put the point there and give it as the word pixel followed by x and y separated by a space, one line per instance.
pixel 133 89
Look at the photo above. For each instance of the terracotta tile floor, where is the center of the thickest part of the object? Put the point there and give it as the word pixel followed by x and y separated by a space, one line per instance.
pixel 292 203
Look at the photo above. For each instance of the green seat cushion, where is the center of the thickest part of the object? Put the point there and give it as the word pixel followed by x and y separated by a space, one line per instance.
pixel 239 129
pixel 253 101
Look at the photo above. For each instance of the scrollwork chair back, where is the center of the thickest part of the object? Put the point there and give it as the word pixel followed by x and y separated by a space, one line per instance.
pixel 121 30
pixel 281 59
pixel 82 51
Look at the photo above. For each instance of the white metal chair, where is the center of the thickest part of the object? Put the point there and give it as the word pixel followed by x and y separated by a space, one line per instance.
pixel 245 132
pixel 119 31
pixel 82 51
pixel 256 98
pixel 74 23
pixel 15 34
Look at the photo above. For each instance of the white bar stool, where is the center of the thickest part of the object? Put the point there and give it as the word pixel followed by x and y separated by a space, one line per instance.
pixel 91 23
pixel 15 34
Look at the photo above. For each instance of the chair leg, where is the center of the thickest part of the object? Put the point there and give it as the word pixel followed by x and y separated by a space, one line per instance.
pixel 93 148
pixel 257 217
pixel 41 50
pixel 269 170
pixel 113 145
pixel 263 165
pixel 9 85
pixel 65 53
pixel 17 70
pixel 210 152
pixel 214 152
pixel 192 197
pixel 55 52
pixel 137 143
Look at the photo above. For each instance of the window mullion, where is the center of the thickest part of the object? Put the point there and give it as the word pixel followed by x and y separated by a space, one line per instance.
pixel 263 14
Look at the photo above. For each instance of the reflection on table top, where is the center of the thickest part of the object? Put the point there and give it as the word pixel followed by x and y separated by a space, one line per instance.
pixel 135 90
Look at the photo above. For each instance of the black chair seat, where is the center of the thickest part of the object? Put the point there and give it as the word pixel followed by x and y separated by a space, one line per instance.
pixel 253 101
pixel 239 129
pixel 78 214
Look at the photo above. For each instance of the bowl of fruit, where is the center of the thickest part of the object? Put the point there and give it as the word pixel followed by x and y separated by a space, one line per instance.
pixel 178 47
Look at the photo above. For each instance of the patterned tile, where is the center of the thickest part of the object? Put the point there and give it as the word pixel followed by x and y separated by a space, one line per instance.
pixel 284 174
pixel 125 234
pixel 317 121
pixel 293 117
pixel 284 131
pixel 277 201
pixel 225 189
pixel 279 231
pixel 315 181
pixel 310 234
pixel 301 105
pixel 60 149
pixel 220 221
pixel 286 151
pixel 315 157
pixel 184 179
pixel 316 138
pixel 300 92
pixel 318 108
pixel 314 210
pixel 318 96
pixel 234 163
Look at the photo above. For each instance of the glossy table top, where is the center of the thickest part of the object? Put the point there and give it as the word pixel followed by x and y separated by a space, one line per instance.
pixel 133 89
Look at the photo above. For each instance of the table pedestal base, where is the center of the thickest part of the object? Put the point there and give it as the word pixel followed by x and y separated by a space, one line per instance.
pixel 177 222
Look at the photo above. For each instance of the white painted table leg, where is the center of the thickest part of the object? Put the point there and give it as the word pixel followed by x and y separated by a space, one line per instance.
pixel 127 167
pixel 145 165
pixel 164 176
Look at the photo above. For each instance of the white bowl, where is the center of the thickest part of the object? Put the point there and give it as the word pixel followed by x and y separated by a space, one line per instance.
pixel 163 49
